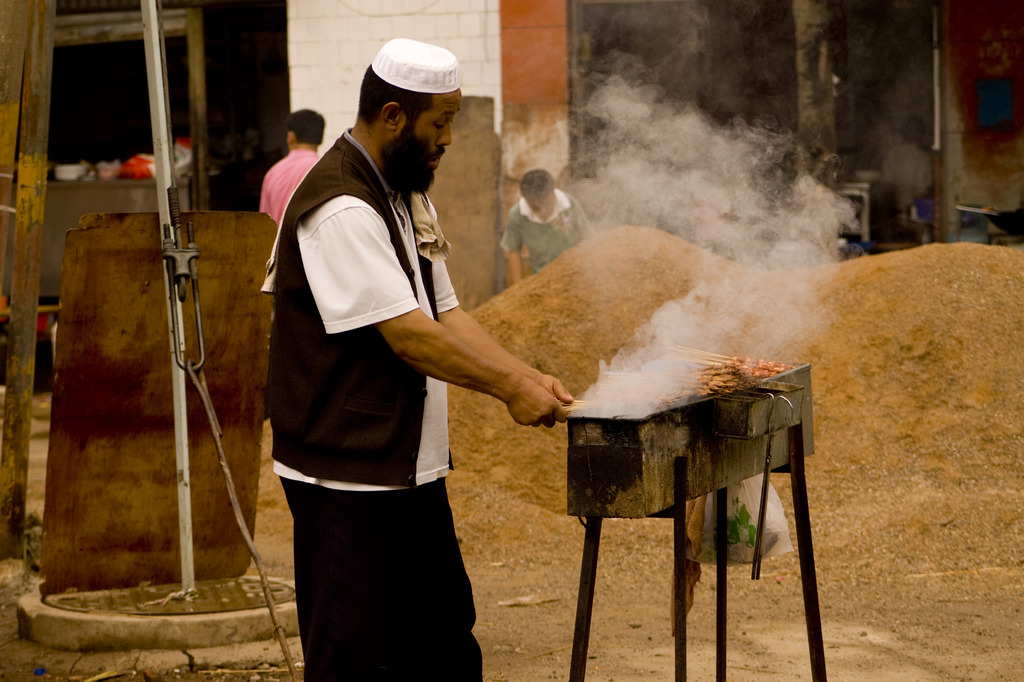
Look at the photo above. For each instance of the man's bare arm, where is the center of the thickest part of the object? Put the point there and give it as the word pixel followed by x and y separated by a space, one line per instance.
pixel 465 327
pixel 434 350
pixel 515 266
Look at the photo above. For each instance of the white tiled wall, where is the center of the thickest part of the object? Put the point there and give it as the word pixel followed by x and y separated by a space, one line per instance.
pixel 331 42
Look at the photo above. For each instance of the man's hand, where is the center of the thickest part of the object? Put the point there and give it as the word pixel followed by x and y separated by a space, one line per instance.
pixel 554 387
pixel 535 404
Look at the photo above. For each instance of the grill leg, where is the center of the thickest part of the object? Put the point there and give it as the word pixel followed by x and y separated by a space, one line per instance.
pixel 721 564
pixel 808 577
pixel 585 600
pixel 680 493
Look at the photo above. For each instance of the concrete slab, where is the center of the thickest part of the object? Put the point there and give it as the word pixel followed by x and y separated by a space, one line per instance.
pixel 92 631
pixel 250 656
pixel 162 662
pixel 19 659
pixel 89 665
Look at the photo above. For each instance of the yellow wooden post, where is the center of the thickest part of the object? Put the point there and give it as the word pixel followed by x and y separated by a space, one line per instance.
pixel 28 238
pixel 13 31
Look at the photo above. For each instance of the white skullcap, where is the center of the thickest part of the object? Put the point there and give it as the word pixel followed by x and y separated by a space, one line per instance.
pixel 419 67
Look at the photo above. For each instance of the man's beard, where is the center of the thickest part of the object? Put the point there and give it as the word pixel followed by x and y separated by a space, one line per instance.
pixel 405 163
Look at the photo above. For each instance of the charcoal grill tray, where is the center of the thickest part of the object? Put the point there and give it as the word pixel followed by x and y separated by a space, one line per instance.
pixel 623 467
pixel 766 408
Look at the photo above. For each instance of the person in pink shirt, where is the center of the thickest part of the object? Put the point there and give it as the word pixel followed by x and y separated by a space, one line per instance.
pixel 305 133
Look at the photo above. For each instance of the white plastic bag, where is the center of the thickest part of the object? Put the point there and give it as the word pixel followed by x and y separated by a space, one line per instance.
pixel 743 500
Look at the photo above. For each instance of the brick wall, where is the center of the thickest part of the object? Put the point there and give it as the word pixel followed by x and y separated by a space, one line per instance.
pixel 331 42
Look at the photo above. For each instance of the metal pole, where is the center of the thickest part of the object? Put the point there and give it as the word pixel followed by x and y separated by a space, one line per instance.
pixel 28 240
pixel 808 576
pixel 722 579
pixel 939 230
pixel 585 600
pixel 153 40
pixel 681 494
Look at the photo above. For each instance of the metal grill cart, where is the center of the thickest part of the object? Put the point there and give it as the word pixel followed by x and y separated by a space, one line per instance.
pixel 649 467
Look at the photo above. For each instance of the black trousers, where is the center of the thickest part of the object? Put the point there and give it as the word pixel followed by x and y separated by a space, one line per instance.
pixel 381 590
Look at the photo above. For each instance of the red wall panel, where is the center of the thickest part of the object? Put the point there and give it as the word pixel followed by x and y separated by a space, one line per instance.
pixel 535 65
pixel 532 13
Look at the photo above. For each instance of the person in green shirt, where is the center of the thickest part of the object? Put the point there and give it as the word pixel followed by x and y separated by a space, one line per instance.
pixel 547 221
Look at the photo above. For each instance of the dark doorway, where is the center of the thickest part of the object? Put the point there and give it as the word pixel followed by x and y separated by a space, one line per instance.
pixel 730 58
pixel 247 99
pixel 100 101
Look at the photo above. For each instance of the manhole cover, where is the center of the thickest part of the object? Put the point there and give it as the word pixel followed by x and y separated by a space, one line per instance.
pixel 211 596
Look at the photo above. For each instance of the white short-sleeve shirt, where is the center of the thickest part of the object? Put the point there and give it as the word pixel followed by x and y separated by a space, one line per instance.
pixel 356 280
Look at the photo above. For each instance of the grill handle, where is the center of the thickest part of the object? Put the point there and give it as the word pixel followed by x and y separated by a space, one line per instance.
pixel 755 569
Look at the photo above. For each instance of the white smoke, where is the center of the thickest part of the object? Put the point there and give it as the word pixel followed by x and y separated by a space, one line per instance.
pixel 733 190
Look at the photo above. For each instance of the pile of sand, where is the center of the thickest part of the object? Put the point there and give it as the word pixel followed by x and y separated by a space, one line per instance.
pixel 917 385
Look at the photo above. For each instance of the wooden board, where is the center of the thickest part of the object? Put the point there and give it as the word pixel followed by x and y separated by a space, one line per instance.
pixel 111 512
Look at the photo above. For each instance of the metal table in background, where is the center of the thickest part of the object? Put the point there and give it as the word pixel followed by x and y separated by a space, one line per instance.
pixel 860 191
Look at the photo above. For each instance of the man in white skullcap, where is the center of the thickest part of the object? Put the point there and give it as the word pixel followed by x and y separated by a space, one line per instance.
pixel 367 332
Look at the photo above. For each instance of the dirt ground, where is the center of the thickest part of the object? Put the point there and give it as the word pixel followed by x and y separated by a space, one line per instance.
pixel 914 485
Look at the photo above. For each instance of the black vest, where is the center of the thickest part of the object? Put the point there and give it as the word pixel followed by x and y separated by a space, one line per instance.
pixel 343 406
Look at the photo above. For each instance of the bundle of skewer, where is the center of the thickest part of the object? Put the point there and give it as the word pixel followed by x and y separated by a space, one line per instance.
pixel 719 374
pixel 575 406
pixel 698 357
pixel 630 390
pixel 725 374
